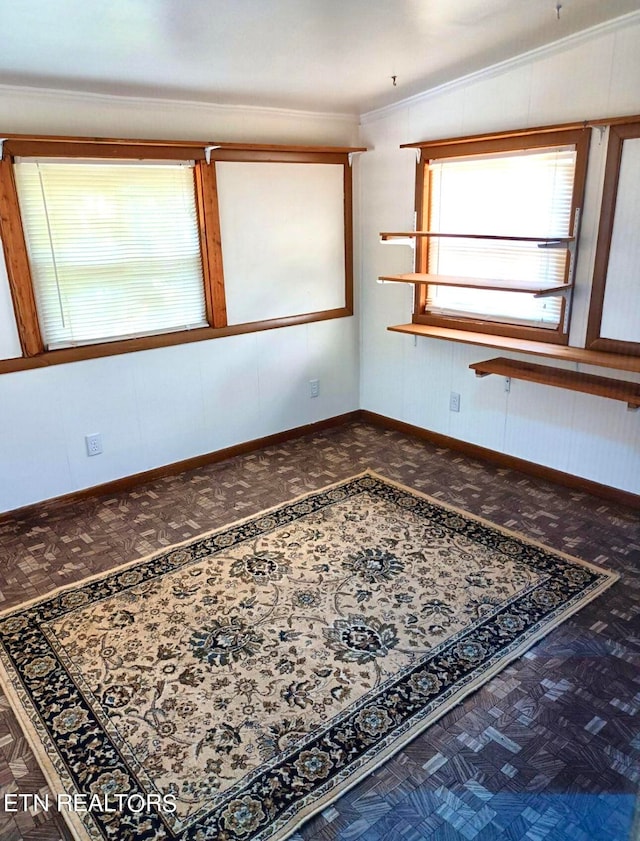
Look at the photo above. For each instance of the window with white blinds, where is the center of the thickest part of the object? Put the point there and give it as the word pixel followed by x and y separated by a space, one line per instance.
pixel 114 248
pixel 526 194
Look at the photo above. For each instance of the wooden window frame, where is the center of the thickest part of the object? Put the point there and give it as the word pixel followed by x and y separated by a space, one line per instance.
pixel 618 133
pixel 520 140
pixel 34 354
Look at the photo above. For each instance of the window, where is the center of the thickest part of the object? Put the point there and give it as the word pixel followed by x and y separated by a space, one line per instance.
pixel 115 246
pixel 614 314
pixel 517 198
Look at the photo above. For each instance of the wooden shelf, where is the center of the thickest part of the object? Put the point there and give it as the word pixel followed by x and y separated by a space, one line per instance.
pixel 598 358
pixel 628 392
pixel 542 241
pixel 536 288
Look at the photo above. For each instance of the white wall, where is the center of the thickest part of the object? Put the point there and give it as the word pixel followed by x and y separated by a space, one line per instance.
pixel 590 76
pixel 160 406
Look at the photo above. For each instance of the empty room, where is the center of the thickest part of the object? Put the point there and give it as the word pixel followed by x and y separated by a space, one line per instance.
pixel 320 420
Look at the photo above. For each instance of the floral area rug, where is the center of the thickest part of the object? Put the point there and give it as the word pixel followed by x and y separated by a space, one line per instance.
pixel 230 687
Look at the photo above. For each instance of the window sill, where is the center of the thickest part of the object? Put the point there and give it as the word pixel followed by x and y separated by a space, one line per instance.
pixel 76 354
pixel 601 359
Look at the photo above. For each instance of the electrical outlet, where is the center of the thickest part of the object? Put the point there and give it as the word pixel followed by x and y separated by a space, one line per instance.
pixel 454 402
pixel 507 384
pixel 314 388
pixel 94 444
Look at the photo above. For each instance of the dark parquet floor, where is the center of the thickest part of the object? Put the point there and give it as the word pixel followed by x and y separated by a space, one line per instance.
pixel 549 750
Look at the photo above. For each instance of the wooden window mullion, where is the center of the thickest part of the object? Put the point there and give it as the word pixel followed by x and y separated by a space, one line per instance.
pixel 348 236
pixel 211 243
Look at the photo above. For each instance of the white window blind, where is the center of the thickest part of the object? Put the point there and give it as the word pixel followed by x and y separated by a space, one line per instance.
pixel 114 248
pixel 509 194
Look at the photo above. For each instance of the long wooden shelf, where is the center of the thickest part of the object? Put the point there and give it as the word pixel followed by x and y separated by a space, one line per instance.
pixel 543 241
pixel 537 288
pixel 627 392
pixel 598 358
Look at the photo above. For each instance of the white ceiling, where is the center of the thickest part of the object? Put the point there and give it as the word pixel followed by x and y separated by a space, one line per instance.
pixel 322 55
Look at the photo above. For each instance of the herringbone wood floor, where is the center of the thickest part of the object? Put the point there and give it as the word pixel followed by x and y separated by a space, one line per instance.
pixel 549 750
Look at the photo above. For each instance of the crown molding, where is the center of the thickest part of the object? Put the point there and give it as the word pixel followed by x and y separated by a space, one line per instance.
pixel 137 102
pixel 574 40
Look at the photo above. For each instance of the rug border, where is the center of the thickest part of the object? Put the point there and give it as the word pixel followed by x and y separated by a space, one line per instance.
pixel 81 832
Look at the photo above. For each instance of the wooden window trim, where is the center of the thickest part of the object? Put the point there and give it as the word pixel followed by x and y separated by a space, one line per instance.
pixel 525 132
pixel 618 133
pixel 34 354
pixel 210 243
pixel 515 134
pixel 192 150
pixel 577 135
pixel 200 334
pixel 17 263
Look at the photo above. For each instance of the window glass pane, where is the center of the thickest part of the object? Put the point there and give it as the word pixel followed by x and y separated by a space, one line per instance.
pixel 114 248
pixel 512 194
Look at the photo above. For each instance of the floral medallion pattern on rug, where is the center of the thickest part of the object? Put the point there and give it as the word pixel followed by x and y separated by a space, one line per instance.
pixel 251 673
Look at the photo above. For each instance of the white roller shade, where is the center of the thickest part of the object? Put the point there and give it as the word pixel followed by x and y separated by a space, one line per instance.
pixel 511 194
pixel 114 248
